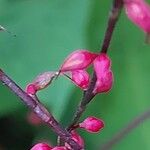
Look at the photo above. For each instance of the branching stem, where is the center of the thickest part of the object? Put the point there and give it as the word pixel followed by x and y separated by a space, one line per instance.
pixel 88 95
pixel 40 110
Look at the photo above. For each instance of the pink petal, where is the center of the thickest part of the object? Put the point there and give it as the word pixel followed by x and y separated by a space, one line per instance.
pixel 81 78
pixel 78 60
pixel 138 12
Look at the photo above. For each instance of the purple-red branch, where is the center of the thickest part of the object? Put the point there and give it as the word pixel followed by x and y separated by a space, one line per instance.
pixel 39 110
pixel 88 95
pixel 113 18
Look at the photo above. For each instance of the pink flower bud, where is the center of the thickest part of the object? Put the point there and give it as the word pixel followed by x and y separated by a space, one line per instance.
pixel 92 124
pixel 102 67
pixel 31 89
pixel 81 78
pixel 40 82
pixel 44 79
pixel 59 148
pixel 104 84
pixel 78 60
pixel 138 12
pixel 41 146
pixel 77 138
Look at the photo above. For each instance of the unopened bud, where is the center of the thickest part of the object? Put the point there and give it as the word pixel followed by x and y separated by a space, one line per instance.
pixel 41 146
pixel 77 138
pixel 78 60
pixel 102 67
pixel 81 78
pixel 138 12
pixel 40 82
pixel 92 124
pixel 31 89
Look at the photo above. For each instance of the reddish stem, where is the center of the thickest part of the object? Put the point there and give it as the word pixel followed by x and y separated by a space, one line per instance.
pixel 88 95
pixel 39 109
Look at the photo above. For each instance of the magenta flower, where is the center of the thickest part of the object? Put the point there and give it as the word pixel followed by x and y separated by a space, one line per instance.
pixel 77 138
pixel 40 82
pixel 81 78
pixel 102 67
pixel 92 124
pixel 41 146
pixel 138 12
pixel 78 60
pixel 31 89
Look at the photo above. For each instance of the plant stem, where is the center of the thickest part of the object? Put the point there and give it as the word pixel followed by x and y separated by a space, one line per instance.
pixel 113 18
pixel 132 125
pixel 39 110
pixel 88 95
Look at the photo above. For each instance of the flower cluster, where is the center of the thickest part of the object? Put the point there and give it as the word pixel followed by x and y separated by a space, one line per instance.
pixel 77 63
pixel 74 67
pixel 43 146
pixel 90 124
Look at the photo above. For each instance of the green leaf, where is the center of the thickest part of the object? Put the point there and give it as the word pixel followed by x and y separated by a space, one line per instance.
pixel 47 31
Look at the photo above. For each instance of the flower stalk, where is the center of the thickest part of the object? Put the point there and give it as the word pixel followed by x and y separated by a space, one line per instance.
pixel 40 110
pixel 88 95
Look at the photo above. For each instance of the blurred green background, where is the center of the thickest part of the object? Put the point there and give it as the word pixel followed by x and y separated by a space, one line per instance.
pixel 47 31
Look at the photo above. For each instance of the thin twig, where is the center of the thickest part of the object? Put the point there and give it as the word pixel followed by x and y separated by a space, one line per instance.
pixel 113 18
pixel 4 29
pixel 132 125
pixel 39 110
pixel 88 95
